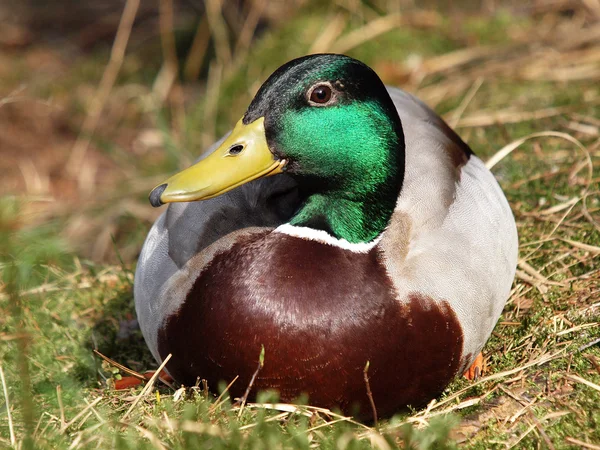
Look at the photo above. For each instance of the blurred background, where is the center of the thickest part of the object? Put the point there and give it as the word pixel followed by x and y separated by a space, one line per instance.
pixel 100 100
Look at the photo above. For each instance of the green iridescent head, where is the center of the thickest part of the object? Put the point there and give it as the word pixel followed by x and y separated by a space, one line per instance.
pixel 327 121
pixel 331 118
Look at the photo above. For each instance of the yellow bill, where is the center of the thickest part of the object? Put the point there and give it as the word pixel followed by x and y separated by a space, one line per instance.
pixel 244 156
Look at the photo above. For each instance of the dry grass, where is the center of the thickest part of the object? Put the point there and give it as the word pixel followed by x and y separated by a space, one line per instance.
pixel 522 87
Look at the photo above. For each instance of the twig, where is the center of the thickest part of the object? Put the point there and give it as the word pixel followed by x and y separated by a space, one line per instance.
pixel 244 39
pixel 106 83
pixel 167 420
pixel 589 344
pixel 11 429
pixel 458 112
pixel 326 424
pixel 306 410
pixel 508 149
pixel 261 363
pixel 218 400
pixel 594 362
pixel 369 393
pixel 205 388
pixel 585 210
pixel 151 437
pixel 542 431
pixel 578 328
pixel 218 29
pixel 582 246
pixel 551 233
pixel 335 26
pixel 532 281
pixel 147 387
pixel 583 444
pixel 121 367
pixel 583 381
pixel 77 442
pixel 98 416
pixel 363 34
pixel 192 426
pixel 60 406
pixel 529 430
pixel 168 72
pixel 506 117
pixel 213 87
pixel 275 418
pixel 66 426
pixel 197 52
pixel 285 407
pixel 536 274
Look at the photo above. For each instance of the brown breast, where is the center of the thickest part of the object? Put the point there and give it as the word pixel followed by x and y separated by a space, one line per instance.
pixel 321 313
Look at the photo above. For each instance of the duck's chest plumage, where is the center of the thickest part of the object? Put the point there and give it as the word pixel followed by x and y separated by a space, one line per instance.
pixel 321 312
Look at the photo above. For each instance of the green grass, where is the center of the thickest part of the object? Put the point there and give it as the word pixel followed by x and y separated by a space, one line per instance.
pixel 57 302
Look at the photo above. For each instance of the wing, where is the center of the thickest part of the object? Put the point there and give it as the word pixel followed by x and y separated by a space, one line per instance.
pixel 453 236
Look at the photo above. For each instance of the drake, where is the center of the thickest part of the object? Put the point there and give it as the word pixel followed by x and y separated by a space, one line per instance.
pixel 342 223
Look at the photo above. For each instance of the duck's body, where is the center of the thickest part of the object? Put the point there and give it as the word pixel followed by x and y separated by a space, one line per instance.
pixel 218 279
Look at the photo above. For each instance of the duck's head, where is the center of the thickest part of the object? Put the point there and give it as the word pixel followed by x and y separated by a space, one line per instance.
pixel 327 121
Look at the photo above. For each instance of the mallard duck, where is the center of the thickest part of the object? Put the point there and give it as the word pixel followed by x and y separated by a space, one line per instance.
pixel 343 223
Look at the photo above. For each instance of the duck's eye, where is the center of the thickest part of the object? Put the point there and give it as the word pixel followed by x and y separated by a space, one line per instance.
pixel 321 94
